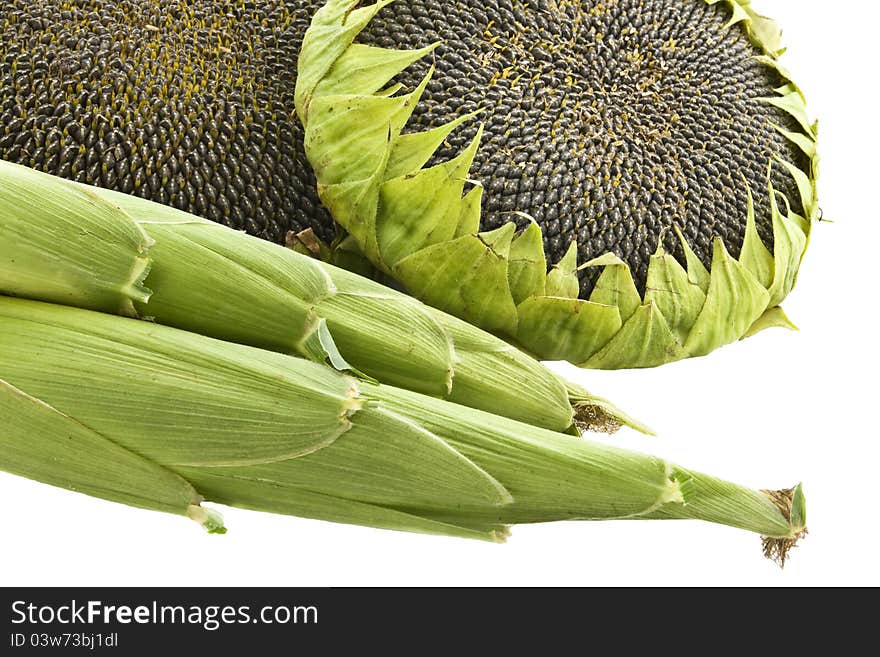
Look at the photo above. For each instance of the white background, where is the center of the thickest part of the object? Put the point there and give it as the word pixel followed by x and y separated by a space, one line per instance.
pixel 779 408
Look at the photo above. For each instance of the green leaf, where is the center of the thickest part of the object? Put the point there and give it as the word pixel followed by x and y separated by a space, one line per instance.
pixel 725 503
pixel 354 206
pixel 340 123
pixel 366 69
pixel 734 302
pixel 789 245
pixel 495 376
pixel 696 271
pixel 334 27
pixel 418 355
pixel 387 459
pixel 423 208
pixel 806 143
pixel 772 318
pixel 615 286
pixel 754 256
pixel 566 329
pixel 798 513
pixel 412 150
pixel 677 299
pixel 550 475
pixel 467 277
pixel 644 341
pixel 562 280
pixel 213 281
pixel 469 217
pixel 319 347
pixel 793 104
pixel 527 271
pixel 807 192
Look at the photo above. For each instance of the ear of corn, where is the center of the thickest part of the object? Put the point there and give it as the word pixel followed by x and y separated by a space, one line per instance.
pixel 417 225
pixel 100 250
pixel 157 417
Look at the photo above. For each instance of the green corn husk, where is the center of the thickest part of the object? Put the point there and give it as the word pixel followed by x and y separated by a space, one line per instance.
pixel 418 225
pixel 87 247
pixel 161 418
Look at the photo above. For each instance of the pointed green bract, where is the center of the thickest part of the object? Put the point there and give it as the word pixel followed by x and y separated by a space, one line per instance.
pixel 773 318
pixel 467 277
pixel 677 299
pixel 734 301
pixel 754 256
pixel 416 233
pixel 162 418
pixel 367 67
pixel 333 30
pixel 211 280
pixel 566 329
pixel 789 248
pixel 527 271
pixel 763 32
pixel 696 271
pixel 646 330
pixel 412 150
pixel 407 215
pixel 615 286
pixel 562 280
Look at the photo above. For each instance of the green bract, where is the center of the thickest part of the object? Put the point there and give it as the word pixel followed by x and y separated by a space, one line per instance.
pixel 161 418
pixel 87 247
pixel 418 226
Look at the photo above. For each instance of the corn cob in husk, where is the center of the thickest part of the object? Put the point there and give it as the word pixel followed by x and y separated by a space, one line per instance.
pixel 418 225
pixel 161 418
pixel 91 248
